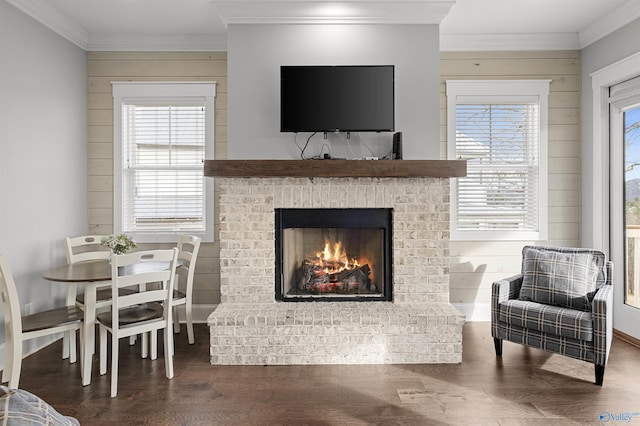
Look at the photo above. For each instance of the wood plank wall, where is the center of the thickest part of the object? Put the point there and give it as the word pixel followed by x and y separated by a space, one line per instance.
pixel 102 69
pixel 475 265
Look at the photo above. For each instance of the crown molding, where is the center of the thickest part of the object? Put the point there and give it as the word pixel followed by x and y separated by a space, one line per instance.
pixel 51 18
pixel 320 12
pixel 344 12
pixel 480 42
pixel 609 23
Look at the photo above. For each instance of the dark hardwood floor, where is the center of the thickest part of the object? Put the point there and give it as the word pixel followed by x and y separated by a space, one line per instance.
pixel 525 387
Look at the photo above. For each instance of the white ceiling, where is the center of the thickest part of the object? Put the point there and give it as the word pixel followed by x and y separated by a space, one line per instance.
pixel 201 24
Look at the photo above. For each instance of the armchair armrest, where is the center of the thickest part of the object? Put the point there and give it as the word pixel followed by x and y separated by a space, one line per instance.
pixel 502 290
pixel 505 289
pixel 602 312
pixel 602 300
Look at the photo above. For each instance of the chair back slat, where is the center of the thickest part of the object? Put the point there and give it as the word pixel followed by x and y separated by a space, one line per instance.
pixel 142 297
pixel 86 247
pixel 129 280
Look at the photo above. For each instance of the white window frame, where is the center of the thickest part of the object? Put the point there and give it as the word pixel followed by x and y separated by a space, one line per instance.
pixel 125 92
pixel 501 91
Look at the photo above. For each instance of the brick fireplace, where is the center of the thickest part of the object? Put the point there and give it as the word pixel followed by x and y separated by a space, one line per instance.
pixel 419 326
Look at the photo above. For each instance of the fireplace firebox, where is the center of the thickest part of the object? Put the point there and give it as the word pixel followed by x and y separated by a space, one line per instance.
pixel 333 255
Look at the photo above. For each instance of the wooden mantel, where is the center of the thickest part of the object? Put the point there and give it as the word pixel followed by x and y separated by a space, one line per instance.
pixel 336 168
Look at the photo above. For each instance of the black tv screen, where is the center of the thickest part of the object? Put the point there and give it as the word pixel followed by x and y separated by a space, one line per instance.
pixel 337 98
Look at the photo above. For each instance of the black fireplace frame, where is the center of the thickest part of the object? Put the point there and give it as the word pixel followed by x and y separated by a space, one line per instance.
pixel 339 218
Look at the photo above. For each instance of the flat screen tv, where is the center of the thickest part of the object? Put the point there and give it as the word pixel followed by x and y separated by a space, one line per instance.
pixel 357 98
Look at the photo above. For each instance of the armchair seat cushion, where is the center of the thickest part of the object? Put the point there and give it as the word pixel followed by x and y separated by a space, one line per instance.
pixel 555 320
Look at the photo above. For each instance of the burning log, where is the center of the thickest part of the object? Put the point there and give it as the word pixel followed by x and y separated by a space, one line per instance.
pixel 331 271
pixel 315 279
pixel 360 273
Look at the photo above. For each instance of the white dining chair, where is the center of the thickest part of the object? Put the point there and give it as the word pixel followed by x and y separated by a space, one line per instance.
pixel 18 328
pixel 88 247
pixel 148 310
pixel 188 247
pixel 81 249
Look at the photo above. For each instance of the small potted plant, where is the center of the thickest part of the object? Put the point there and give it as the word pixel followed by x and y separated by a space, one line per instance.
pixel 119 244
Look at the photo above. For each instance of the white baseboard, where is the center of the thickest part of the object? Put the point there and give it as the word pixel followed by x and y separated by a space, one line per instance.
pixel 474 311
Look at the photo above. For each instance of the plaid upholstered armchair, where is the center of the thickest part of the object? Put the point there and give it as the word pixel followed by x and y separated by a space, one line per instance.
pixel 561 302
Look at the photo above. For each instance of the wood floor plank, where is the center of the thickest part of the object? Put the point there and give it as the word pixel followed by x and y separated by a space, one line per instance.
pixel 525 387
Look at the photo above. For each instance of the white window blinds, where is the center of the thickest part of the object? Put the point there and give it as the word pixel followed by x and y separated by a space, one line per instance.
pixel 164 147
pixel 499 143
pixel 163 131
pixel 503 195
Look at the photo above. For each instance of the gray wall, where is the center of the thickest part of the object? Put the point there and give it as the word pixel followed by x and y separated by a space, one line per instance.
pixel 256 52
pixel 42 153
pixel 608 50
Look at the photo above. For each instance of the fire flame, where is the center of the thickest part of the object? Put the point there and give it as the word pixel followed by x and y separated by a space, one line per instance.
pixel 334 259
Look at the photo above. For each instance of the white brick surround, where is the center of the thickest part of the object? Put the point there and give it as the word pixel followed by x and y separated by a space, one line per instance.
pixel 419 326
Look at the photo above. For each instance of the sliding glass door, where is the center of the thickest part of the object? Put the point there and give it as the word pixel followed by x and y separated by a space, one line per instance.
pixel 631 120
pixel 625 204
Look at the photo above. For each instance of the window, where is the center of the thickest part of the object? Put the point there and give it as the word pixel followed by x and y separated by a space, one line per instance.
pixel 163 131
pixel 500 128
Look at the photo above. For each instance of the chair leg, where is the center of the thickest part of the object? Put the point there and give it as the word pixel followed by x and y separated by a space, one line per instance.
pixel 103 350
pixel 72 346
pixel 498 345
pixel 8 351
pixel 189 315
pixel 114 365
pixel 81 350
pixel 168 352
pixel 176 320
pixel 66 336
pixel 154 345
pixel 599 374
pixel 15 364
pixel 144 341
